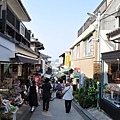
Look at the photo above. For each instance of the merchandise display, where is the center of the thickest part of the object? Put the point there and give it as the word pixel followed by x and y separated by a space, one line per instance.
pixel 10 99
pixel 111 93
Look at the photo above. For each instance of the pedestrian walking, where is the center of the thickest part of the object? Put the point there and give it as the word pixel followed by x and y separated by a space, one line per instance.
pixel 37 79
pixel 68 96
pixel 33 96
pixel 63 84
pixel 46 92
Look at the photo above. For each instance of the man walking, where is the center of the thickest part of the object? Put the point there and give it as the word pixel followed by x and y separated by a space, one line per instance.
pixel 46 91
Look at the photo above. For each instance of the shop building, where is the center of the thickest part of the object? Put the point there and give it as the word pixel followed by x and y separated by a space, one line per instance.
pixel 45 64
pixel 110 82
pixel 101 57
pixel 86 49
pixel 17 57
pixel 22 57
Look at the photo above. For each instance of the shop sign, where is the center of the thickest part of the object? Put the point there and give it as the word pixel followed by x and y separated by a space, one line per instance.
pixel 67 58
pixel 76 74
pixel 97 68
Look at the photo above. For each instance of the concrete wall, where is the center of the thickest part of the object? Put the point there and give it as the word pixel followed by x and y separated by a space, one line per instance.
pixel 7 49
pixel 110 23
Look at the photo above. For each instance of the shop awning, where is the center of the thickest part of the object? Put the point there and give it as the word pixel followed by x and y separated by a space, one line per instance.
pixel 20 59
pixel 114 35
pixel 60 74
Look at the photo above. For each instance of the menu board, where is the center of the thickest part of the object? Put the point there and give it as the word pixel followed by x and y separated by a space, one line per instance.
pixel 97 68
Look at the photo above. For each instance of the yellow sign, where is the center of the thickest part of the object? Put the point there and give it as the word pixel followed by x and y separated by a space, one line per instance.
pixel 67 58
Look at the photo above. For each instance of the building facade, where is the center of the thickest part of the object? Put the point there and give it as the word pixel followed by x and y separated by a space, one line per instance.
pixel 110 99
pixel 97 50
pixel 15 39
pixel 92 41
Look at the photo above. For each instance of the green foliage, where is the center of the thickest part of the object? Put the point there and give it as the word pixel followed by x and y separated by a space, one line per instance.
pixel 87 102
pixel 88 95
pixel 81 96
pixel 6 116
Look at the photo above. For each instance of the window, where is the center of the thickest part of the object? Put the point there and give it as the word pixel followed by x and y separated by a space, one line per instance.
pixel 118 16
pixel 118 21
pixel 88 47
pixel 22 29
pixel 78 51
pixel 73 53
pixel 111 89
pixel 15 69
pixel 0 11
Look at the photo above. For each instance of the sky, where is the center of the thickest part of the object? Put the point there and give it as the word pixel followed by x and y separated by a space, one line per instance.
pixel 56 22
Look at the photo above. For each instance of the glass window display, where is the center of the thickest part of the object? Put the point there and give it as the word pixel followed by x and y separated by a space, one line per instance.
pixel 111 86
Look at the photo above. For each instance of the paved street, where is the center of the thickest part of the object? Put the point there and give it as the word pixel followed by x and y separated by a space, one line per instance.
pixel 57 112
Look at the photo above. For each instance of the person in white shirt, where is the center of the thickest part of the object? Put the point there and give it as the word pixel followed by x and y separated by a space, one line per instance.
pixel 68 96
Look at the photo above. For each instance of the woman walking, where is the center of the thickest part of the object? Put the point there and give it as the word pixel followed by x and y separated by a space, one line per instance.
pixel 33 96
pixel 68 96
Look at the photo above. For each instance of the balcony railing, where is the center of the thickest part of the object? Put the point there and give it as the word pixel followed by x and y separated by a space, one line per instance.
pixel 101 8
pixel 16 24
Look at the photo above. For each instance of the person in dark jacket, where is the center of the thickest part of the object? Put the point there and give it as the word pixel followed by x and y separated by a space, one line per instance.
pixel 33 96
pixel 46 92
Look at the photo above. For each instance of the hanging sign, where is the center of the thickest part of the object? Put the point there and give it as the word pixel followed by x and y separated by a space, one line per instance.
pixel 19 70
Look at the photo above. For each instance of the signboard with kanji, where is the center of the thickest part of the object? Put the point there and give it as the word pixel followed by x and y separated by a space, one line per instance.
pixel 97 68
pixel 67 58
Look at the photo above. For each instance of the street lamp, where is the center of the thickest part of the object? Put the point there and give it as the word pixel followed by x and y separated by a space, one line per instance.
pixel 99 42
pixel 98 30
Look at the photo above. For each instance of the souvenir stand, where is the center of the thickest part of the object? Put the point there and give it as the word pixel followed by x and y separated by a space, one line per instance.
pixel 10 99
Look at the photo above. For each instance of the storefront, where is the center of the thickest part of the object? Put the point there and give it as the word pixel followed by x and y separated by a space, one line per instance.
pixel 17 69
pixel 110 84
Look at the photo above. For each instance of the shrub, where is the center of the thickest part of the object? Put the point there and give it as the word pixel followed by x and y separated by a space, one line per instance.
pixel 87 96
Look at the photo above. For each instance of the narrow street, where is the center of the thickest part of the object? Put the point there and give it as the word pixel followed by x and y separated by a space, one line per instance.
pixel 57 112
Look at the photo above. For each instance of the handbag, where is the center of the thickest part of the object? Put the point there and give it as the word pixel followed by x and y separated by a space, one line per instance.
pixel 62 94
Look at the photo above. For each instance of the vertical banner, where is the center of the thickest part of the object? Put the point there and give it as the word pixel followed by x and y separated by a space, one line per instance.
pixel 67 58
pixel 19 70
